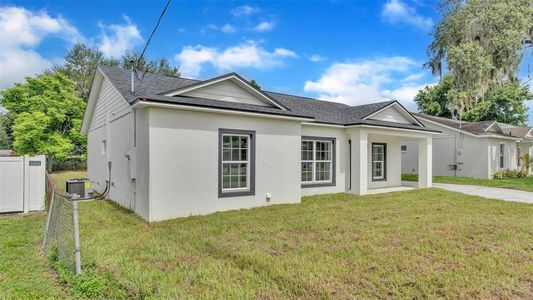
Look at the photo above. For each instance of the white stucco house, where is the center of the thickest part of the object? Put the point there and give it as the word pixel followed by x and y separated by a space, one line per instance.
pixel 471 149
pixel 180 147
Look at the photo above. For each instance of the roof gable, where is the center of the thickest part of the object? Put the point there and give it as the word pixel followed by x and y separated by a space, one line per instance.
pixel 395 113
pixel 230 87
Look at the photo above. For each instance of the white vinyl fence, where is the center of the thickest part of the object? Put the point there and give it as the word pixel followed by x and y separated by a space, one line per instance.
pixel 22 183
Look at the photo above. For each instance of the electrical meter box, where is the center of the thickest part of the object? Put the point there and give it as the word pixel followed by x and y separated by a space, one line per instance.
pixel 82 187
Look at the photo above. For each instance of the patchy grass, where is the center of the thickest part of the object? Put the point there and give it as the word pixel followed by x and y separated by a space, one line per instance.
pixel 524 184
pixel 24 270
pixel 417 244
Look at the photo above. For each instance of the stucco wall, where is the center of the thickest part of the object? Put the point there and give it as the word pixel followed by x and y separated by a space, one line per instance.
pixel 184 162
pixel 393 162
pixel 479 155
pixel 119 140
pixel 410 157
pixel 494 152
pixel 342 171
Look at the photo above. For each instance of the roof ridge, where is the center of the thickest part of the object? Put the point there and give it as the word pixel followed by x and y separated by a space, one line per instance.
pixel 306 97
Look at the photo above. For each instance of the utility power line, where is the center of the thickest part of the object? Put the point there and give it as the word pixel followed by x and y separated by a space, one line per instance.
pixel 150 39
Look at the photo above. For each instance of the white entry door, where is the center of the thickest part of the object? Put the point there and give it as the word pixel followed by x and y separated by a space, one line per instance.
pixel 11 184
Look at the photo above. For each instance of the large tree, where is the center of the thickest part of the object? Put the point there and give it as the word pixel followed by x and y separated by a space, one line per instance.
pixel 142 64
pixel 47 114
pixel 6 130
pixel 81 62
pixel 505 104
pixel 482 44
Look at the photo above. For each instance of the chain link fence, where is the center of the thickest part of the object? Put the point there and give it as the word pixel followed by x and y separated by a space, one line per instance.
pixel 61 236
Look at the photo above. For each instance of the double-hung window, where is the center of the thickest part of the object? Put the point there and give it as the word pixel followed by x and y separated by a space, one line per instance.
pixel 502 156
pixel 379 161
pixel 318 161
pixel 236 162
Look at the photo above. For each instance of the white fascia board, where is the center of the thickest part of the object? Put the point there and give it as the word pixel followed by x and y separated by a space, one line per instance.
pixel 240 82
pixel 491 125
pixel 323 125
pixel 91 102
pixel 530 132
pixel 393 129
pixel 93 97
pixel 140 104
pixel 403 111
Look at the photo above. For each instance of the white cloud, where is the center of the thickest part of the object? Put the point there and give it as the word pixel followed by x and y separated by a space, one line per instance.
pixel 414 77
pixel 115 39
pixel 367 81
pixel 264 26
pixel 246 55
pixel 226 28
pixel 316 58
pixel 396 11
pixel 21 32
pixel 244 10
pixel 405 94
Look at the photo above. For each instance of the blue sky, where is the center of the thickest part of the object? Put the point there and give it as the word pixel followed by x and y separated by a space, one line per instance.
pixel 354 52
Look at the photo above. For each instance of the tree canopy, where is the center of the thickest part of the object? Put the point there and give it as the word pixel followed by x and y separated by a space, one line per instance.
pixel 47 115
pixel 482 44
pixel 81 62
pixel 504 104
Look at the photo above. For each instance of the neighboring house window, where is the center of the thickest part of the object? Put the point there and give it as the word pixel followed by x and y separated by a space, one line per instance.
pixel 519 156
pixel 318 161
pixel 379 161
pixel 236 163
pixel 404 148
pixel 502 156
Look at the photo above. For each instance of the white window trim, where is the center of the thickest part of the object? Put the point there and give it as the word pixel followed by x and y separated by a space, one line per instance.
pixel 332 161
pixel 502 155
pixel 247 162
pixel 249 190
pixel 383 162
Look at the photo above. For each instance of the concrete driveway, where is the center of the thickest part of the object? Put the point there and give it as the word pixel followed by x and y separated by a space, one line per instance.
pixel 482 191
pixel 489 192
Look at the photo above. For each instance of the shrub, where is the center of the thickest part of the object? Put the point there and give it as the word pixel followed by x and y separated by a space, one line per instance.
pixel 70 163
pixel 506 174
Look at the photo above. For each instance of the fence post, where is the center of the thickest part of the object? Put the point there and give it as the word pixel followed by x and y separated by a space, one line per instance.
pixel 50 204
pixel 76 235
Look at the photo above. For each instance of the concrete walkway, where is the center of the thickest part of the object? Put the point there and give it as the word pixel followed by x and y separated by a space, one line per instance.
pixel 489 192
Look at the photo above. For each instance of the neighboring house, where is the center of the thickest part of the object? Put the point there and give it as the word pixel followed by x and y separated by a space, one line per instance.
pixel 180 147
pixel 7 152
pixel 471 149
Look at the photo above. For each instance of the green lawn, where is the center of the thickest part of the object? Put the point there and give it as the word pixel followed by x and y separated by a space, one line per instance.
pixel 416 244
pixel 24 271
pixel 524 184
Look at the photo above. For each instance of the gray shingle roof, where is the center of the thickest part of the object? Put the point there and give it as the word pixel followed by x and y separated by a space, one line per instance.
pixel 520 132
pixel 153 86
pixel 225 105
pixel 477 128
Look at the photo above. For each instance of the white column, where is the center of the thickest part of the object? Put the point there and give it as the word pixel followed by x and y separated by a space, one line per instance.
pixel 359 167
pixel 425 162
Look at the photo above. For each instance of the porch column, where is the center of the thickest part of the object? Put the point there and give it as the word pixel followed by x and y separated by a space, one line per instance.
pixel 425 162
pixel 359 167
